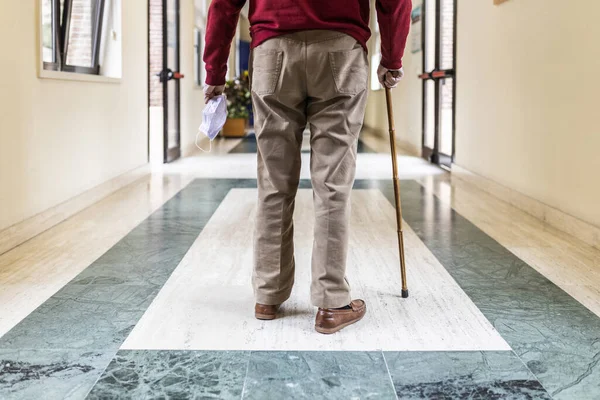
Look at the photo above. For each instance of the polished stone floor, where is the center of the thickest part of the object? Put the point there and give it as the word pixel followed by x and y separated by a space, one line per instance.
pixel 99 310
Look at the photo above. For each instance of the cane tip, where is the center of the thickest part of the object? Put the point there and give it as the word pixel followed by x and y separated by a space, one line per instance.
pixel 404 293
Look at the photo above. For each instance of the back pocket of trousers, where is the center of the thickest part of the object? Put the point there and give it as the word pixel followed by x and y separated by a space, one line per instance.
pixel 350 70
pixel 266 68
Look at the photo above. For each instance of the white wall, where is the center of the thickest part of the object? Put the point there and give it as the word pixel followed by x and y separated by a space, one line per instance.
pixel 406 98
pixel 192 96
pixel 527 99
pixel 61 138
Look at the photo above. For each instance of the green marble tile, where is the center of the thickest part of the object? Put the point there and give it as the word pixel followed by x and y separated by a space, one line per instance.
pixel 318 375
pixel 99 307
pixel 458 375
pixel 49 374
pixel 553 334
pixel 73 324
pixel 94 313
pixel 181 375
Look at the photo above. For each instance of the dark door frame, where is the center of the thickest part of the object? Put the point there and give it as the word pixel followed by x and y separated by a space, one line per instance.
pixel 171 154
pixel 437 75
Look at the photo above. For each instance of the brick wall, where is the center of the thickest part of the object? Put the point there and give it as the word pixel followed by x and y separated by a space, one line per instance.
pixel 156 52
pixel 80 34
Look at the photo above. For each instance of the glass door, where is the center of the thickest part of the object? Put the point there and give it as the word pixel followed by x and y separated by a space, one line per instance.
pixel 439 83
pixel 170 77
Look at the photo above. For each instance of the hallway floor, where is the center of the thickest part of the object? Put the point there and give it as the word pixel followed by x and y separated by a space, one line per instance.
pixel 146 294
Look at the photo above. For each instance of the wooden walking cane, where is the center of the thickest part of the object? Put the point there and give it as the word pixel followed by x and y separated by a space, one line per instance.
pixel 390 112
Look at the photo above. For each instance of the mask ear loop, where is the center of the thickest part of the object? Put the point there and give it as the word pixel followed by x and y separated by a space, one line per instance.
pixel 198 146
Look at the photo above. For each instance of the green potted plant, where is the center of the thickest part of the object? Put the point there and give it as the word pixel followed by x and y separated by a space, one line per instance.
pixel 238 104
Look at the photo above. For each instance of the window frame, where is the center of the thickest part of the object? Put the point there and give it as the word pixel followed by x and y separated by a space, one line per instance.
pixel 53 65
pixel 60 40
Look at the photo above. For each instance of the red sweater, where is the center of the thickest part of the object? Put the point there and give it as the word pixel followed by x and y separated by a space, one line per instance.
pixel 270 18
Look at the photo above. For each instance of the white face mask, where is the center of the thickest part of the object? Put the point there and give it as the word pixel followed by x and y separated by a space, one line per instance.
pixel 213 118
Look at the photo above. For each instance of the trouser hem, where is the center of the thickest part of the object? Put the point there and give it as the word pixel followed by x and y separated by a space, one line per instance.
pixel 332 302
pixel 271 300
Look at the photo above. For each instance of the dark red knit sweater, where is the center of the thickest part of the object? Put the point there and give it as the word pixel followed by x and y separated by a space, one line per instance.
pixel 270 18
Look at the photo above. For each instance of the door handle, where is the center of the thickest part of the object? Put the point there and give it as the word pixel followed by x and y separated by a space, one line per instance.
pixel 441 74
pixel 437 74
pixel 167 74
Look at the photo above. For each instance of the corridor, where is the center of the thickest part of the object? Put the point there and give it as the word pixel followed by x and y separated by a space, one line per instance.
pixel 130 241
pixel 145 295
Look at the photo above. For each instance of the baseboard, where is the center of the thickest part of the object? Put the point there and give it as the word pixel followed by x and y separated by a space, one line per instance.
pixel 584 231
pixel 21 232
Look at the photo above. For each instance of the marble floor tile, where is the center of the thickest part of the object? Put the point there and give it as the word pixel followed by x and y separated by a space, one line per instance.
pixel 566 261
pixel 318 375
pixel 580 279
pixel 98 308
pixel 49 374
pixel 73 324
pixel 212 287
pixel 460 375
pixel 34 271
pixel 487 248
pixel 173 375
pixel 554 334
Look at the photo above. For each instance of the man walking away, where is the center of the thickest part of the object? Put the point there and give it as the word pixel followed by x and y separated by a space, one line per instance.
pixel 308 67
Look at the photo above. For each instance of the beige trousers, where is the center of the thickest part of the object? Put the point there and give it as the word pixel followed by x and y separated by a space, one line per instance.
pixel 317 78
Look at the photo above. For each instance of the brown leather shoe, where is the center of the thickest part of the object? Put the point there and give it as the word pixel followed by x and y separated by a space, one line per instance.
pixel 265 312
pixel 331 321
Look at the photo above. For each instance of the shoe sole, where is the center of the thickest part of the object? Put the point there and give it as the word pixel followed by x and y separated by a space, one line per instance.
pixel 329 331
pixel 265 317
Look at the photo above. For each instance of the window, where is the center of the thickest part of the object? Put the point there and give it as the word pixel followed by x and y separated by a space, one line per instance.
pixel 78 35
